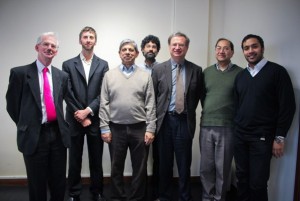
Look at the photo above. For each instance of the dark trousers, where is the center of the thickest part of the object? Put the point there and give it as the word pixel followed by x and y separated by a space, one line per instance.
pixel 47 166
pixel 252 158
pixel 123 137
pixel 173 138
pixel 155 171
pixel 95 152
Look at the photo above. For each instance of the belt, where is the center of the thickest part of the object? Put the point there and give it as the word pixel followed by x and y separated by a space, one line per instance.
pixel 174 113
pixel 49 124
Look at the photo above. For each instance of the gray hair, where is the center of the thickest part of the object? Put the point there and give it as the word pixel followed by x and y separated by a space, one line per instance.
pixel 40 38
pixel 128 41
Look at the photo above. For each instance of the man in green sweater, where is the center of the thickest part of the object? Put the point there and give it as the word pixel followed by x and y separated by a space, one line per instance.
pixel 216 128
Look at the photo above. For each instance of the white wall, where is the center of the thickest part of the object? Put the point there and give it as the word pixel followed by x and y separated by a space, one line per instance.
pixel 204 21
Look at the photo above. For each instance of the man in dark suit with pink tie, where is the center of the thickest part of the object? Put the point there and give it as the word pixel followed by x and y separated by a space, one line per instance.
pixel 42 133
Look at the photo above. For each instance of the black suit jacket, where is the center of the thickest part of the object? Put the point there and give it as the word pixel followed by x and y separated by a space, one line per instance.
pixel 24 105
pixel 85 94
pixel 162 81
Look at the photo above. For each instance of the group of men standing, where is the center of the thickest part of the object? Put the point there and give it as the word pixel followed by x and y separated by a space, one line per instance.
pixel 246 113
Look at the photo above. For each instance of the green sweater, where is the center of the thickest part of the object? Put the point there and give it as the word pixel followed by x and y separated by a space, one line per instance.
pixel 218 107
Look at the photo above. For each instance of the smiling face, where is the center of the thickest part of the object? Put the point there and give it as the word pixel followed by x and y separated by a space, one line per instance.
pixel 178 48
pixel 128 54
pixel 88 40
pixel 253 51
pixel 47 49
pixel 223 52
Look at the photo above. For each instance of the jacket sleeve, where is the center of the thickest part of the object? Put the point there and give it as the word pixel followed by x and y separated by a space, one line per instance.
pixel 14 95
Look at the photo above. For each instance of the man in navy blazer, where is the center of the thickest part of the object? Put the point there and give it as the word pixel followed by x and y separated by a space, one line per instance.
pixel 86 72
pixel 43 143
pixel 175 130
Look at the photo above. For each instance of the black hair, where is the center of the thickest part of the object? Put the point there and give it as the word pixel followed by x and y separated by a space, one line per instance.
pixel 153 39
pixel 260 40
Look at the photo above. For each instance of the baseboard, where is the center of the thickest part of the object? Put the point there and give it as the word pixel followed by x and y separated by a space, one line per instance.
pixel 85 180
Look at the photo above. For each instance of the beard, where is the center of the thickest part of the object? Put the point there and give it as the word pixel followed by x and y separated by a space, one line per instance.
pixel 149 55
pixel 88 48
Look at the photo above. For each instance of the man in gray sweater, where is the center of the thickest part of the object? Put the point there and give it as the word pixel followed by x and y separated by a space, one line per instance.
pixel 128 120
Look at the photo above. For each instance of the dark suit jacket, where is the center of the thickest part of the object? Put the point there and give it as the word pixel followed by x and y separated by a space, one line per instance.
pixel 85 94
pixel 24 105
pixel 162 81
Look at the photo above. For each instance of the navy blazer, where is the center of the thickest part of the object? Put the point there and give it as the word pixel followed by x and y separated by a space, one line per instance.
pixel 25 108
pixel 86 95
pixel 162 81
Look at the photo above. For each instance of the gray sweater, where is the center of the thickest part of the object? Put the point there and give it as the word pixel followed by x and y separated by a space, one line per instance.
pixel 127 99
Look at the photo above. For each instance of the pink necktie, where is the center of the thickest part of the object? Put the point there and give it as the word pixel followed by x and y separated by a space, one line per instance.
pixel 48 100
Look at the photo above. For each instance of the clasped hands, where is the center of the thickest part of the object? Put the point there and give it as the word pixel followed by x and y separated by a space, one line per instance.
pixel 81 117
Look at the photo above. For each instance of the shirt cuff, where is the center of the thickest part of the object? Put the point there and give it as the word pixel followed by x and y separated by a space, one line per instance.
pixel 91 111
pixel 105 131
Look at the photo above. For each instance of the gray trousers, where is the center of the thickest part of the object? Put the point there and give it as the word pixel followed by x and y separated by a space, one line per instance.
pixel 216 148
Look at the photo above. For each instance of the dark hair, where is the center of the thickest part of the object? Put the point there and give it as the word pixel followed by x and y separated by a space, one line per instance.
pixel 151 38
pixel 187 42
pixel 230 43
pixel 88 29
pixel 260 40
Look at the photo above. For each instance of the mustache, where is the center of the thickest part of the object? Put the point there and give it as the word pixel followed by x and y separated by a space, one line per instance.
pixel 150 54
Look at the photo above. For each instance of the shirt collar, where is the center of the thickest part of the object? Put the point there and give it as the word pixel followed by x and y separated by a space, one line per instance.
pixel 258 66
pixel 127 70
pixel 40 67
pixel 151 65
pixel 82 58
pixel 226 69
pixel 174 63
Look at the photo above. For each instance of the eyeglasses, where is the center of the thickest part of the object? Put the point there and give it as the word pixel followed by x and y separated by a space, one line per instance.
pixel 225 49
pixel 46 45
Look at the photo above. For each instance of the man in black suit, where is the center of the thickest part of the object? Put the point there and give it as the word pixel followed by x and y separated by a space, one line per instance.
pixel 176 116
pixel 86 72
pixel 43 141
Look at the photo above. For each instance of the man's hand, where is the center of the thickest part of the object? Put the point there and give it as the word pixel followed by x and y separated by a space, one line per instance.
pixel 106 137
pixel 80 115
pixel 149 137
pixel 278 149
pixel 86 122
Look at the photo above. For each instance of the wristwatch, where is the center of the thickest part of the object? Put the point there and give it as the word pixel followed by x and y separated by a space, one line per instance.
pixel 279 139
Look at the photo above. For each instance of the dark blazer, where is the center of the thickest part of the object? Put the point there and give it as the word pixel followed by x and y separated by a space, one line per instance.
pixel 162 81
pixel 24 105
pixel 85 94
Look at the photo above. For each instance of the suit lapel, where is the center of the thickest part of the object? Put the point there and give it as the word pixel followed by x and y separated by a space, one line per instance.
pixel 56 82
pixel 78 65
pixel 33 81
pixel 168 73
pixel 188 75
pixel 94 66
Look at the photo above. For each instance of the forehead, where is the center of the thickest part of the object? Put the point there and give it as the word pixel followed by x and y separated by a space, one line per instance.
pixel 88 33
pixel 49 39
pixel 151 43
pixel 250 41
pixel 127 46
pixel 177 39
pixel 223 43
